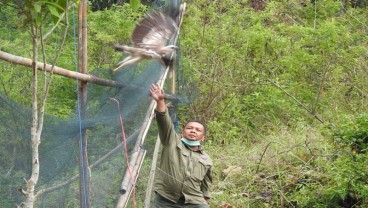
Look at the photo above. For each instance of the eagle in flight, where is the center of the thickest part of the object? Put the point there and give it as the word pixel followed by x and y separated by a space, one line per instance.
pixel 150 38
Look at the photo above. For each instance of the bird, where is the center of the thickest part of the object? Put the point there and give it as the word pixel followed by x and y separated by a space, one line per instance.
pixel 150 38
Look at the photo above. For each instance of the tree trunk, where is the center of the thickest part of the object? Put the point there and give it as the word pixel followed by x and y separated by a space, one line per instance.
pixel 35 135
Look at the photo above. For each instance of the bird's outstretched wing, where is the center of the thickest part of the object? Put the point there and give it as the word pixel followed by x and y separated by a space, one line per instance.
pixel 154 30
pixel 150 38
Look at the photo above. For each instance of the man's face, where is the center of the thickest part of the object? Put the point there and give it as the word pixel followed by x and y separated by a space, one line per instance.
pixel 193 131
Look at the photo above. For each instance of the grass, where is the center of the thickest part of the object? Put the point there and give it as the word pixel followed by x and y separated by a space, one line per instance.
pixel 268 170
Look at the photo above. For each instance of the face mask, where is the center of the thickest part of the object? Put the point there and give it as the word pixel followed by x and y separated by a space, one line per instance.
pixel 190 143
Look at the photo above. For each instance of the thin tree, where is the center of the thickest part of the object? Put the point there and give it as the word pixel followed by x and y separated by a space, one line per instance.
pixel 37 14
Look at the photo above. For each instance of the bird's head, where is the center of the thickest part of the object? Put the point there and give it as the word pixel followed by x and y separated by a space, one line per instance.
pixel 172 47
pixel 168 49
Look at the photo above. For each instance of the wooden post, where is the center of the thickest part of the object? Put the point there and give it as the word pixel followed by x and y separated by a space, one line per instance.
pixel 82 102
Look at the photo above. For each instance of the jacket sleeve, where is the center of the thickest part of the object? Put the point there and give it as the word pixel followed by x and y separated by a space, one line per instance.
pixel 165 127
pixel 207 184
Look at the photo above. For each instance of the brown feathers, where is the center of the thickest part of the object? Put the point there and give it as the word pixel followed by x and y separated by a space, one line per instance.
pixel 150 38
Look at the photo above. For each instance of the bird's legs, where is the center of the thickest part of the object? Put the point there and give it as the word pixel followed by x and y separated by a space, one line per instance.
pixel 127 61
pixel 131 59
pixel 152 54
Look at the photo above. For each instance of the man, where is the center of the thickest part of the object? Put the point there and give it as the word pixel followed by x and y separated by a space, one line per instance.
pixel 184 176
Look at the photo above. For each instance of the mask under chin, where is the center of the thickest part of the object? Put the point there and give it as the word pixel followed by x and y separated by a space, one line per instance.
pixel 190 143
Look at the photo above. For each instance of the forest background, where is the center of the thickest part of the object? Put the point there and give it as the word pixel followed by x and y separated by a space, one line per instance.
pixel 282 86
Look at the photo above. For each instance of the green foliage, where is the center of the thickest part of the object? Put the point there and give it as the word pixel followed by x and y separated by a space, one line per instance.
pixel 341 184
pixel 134 4
pixel 280 66
pixel 35 12
pixel 348 179
pixel 353 134
pixel 342 181
pixel 263 73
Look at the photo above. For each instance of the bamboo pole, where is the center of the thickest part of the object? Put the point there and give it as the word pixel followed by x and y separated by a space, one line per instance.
pixel 58 70
pixel 130 180
pixel 82 102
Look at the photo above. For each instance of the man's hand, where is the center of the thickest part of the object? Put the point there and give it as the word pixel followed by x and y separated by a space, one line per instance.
pixel 158 95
